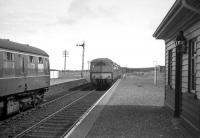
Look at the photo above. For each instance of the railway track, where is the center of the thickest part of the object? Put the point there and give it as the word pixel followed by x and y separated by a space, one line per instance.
pixel 52 119
pixel 47 101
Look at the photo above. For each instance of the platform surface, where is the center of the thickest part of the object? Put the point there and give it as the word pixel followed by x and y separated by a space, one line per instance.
pixel 133 108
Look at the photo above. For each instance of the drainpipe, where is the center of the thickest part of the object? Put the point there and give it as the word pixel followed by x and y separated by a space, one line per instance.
pixel 188 6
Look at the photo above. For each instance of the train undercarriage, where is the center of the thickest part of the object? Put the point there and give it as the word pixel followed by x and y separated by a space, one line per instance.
pixel 16 103
pixel 101 84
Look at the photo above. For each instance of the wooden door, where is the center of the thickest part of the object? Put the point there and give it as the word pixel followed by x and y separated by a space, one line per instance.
pixel 178 79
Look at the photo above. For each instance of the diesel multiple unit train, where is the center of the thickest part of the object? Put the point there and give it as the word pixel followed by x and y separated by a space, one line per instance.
pixel 24 76
pixel 103 72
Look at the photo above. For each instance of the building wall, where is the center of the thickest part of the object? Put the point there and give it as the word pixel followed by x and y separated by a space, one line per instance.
pixel 190 103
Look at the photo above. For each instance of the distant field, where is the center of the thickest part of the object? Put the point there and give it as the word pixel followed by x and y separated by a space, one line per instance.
pixel 69 75
pixel 77 74
pixel 150 76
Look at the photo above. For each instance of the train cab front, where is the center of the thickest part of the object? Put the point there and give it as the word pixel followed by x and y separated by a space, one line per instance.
pixel 102 80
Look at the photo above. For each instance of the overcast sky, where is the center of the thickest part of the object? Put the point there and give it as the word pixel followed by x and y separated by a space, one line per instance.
pixel 117 29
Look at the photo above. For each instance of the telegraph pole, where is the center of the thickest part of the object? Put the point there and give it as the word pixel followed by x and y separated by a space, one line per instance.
pixel 82 45
pixel 65 54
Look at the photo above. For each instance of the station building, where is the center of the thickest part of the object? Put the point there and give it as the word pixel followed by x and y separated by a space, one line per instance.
pixel 180 29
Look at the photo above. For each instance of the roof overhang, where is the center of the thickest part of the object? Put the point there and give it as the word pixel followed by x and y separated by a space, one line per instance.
pixel 181 16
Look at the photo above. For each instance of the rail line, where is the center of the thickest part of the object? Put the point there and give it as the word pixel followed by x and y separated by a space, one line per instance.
pixel 16 124
pixel 17 116
pixel 60 122
pixel 45 119
pixel 55 117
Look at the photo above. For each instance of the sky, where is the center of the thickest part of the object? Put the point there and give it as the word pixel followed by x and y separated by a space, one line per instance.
pixel 120 30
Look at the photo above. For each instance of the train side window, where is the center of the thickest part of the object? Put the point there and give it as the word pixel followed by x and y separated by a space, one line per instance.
pixel 40 60
pixel 40 65
pixel 20 67
pixel 8 64
pixel 92 67
pixel 114 67
pixel 31 65
pixel 31 59
pixel 46 62
pixel 9 56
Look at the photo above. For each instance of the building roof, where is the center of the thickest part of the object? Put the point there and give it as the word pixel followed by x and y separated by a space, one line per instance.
pixel 9 45
pixel 181 16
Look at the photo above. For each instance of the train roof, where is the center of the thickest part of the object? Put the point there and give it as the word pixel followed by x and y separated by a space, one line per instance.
pixel 10 45
pixel 102 59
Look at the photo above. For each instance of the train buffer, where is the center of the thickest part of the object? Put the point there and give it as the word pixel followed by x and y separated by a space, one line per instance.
pixel 132 107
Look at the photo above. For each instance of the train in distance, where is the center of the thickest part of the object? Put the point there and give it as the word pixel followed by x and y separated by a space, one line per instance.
pixel 104 72
pixel 24 76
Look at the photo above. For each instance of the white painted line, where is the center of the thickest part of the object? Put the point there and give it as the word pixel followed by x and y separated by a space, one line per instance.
pixel 88 112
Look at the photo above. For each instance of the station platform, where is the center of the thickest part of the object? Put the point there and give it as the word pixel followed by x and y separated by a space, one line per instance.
pixel 132 108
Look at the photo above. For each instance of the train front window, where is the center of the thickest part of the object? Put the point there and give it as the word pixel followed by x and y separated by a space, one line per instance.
pixel 100 64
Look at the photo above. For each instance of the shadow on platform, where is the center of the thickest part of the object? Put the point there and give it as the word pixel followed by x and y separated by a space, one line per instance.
pixel 128 121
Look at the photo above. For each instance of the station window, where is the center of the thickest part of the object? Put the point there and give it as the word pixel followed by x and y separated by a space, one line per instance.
pixel 192 65
pixel 170 67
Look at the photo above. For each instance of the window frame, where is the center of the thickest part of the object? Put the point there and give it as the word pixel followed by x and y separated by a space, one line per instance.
pixel 192 65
